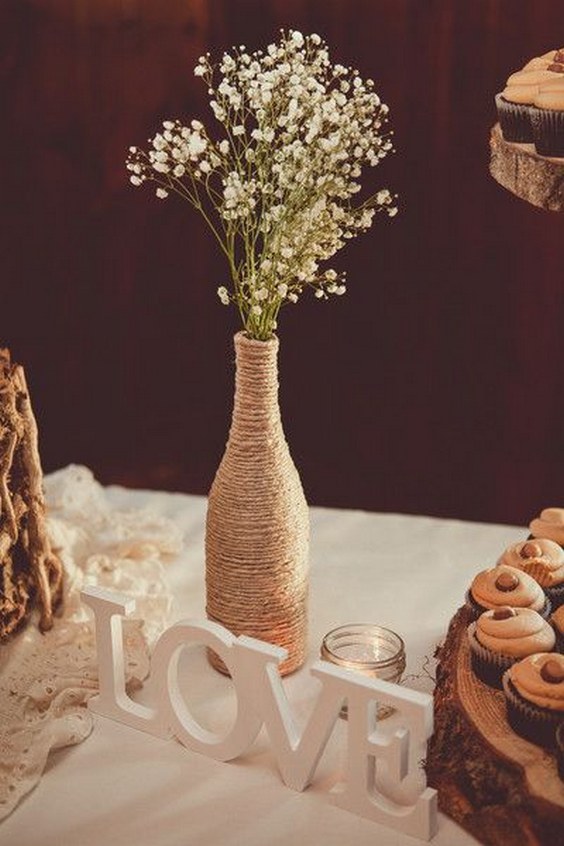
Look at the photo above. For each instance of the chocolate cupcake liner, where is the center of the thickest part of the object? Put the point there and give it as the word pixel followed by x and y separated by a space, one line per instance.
pixel 555 595
pixel 560 749
pixel 548 131
pixel 476 609
pixel 488 666
pixel 514 120
pixel 546 609
pixel 530 721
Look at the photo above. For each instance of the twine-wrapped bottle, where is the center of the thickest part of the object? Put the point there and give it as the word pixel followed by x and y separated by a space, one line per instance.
pixel 257 530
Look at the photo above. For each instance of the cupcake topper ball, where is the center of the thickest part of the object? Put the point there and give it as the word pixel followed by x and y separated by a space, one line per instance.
pixel 504 612
pixel 552 671
pixel 530 550
pixel 507 582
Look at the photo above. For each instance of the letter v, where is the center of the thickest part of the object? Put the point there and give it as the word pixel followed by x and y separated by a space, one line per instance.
pixel 297 755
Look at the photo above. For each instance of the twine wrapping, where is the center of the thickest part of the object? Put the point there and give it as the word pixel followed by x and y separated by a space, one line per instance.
pixel 257 529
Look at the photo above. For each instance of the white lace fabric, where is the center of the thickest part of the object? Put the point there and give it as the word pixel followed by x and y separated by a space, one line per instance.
pixel 47 679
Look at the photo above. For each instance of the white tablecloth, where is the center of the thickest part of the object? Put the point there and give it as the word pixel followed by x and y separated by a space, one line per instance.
pixel 122 787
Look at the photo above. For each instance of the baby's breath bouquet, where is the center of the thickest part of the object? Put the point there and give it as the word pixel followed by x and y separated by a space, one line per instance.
pixel 276 185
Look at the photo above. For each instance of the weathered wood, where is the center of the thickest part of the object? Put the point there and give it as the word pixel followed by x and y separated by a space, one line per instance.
pixel 537 179
pixel 501 788
pixel 30 573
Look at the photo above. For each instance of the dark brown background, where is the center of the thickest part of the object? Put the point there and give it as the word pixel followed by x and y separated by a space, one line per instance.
pixel 435 386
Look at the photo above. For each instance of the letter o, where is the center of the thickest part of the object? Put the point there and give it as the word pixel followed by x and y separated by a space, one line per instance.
pixel 180 721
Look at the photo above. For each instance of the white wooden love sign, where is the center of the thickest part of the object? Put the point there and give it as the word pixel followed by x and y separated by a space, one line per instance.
pixel 384 779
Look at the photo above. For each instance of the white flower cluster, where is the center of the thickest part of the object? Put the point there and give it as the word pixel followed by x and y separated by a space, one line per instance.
pixel 277 187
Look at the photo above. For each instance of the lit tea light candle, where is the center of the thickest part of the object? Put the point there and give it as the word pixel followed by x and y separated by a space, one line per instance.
pixel 368 649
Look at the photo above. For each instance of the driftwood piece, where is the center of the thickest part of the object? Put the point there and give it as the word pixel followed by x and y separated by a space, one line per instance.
pixel 30 572
pixel 537 179
pixel 501 788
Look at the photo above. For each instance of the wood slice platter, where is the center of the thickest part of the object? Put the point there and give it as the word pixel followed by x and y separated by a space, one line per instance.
pixel 501 788
pixel 537 179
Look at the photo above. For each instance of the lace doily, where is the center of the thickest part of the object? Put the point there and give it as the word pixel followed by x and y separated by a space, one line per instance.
pixel 46 679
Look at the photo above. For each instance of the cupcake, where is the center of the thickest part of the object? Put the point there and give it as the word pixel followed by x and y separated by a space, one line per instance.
pixel 542 559
pixel 549 524
pixel 514 104
pixel 534 696
pixel 505 585
pixel 500 637
pixel 557 621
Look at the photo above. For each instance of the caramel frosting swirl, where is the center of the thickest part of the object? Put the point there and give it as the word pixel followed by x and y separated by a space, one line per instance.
pixel 541 558
pixel 530 77
pixel 531 681
pixel 550 524
pixel 505 585
pixel 542 62
pixel 521 94
pixel 524 86
pixel 522 633
pixel 550 96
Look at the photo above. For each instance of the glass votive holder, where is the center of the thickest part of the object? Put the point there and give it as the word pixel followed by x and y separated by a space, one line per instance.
pixel 368 649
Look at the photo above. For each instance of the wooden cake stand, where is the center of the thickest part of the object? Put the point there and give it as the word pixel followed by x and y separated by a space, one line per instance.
pixel 537 179
pixel 501 788
pixel 504 790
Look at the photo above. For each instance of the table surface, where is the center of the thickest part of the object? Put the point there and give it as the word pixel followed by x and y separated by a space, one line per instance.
pixel 121 786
